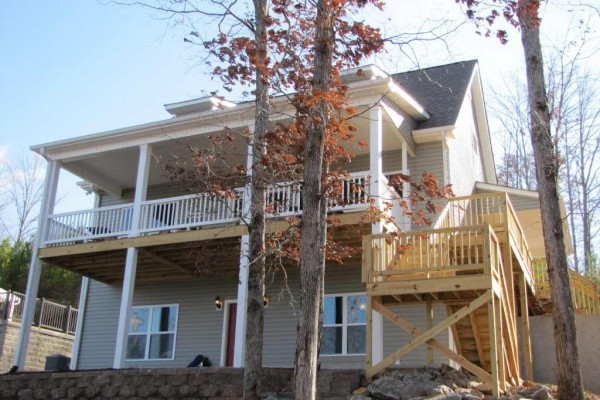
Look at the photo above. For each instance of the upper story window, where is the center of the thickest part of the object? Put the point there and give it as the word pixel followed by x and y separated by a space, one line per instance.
pixel 344 324
pixel 152 331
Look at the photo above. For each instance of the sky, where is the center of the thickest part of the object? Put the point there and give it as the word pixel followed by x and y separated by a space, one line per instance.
pixel 75 67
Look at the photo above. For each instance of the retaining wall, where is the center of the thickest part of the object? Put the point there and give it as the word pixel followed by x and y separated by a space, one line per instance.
pixel 173 383
pixel 42 343
pixel 544 353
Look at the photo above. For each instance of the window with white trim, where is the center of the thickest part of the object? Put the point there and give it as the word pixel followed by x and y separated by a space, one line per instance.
pixel 344 324
pixel 152 331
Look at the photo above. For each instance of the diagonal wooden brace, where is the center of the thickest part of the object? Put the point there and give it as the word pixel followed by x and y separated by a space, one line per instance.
pixel 428 338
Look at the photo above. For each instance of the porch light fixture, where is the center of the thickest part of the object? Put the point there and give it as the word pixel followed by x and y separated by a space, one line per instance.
pixel 218 303
pixel 266 301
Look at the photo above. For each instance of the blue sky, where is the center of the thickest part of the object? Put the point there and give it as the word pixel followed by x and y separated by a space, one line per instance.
pixel 75 67
pixel 69 68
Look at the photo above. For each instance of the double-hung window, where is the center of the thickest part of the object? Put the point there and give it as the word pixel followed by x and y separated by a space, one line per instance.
pixel 152 331
pixel 344 324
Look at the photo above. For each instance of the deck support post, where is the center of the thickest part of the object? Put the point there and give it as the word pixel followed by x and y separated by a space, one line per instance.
pixel 429 311
pixel 495 358
pixel 376 191
pixel 525 335
pixel 35 267
pixel 141 188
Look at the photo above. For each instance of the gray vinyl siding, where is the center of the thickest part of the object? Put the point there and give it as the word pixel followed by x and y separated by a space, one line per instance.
pixel 464 152
pixel 154 192
pixel 281 317
pixel 523 203
pixel 200 326
pixel 429 157
pixel 99 332
pixel 392 162
pixel 520 202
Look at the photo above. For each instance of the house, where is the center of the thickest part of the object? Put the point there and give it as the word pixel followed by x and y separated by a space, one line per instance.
pixel 157 259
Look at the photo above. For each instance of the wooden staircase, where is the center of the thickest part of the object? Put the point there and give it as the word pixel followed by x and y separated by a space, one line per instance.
pixel 477 263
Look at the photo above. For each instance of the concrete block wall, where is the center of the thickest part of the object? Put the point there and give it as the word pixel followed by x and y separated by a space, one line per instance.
pixel 159 384
pixel 544 353
pixel 42 343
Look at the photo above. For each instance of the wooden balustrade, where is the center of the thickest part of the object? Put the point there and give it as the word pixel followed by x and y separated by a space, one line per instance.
pixel 432 253
pixel 584 291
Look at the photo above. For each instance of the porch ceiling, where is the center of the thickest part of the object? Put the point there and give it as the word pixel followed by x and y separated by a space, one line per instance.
pixel 201 259
pixel 116 170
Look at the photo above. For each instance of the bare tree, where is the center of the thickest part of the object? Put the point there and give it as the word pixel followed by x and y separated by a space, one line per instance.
pixel 582 178
pixel 570 385
pixel 23 185
pixel 508 107
pixel 574 127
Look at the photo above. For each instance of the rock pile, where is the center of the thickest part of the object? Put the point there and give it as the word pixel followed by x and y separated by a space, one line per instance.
pixel 439 384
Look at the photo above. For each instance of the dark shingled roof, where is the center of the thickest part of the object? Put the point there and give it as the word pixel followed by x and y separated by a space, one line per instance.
pixel 441 90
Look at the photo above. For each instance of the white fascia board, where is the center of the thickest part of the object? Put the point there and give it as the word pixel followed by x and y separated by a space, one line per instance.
pixel 175 128
pixel 433 134
pixel 490 187
pixel 378 89
pixel 407 102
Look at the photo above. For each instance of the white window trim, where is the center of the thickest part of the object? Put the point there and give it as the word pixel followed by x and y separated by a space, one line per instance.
pixel 149 333
pixel 344 324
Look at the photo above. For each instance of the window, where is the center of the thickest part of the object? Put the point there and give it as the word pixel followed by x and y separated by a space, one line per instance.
pixel 152 332
pixel 344 324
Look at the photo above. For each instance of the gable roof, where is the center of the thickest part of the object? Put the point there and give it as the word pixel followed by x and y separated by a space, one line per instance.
pixel 441 90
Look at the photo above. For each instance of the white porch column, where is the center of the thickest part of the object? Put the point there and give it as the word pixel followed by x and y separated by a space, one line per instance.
pixel 141 188
pixel 242 300
pixel 406 223
pixel 85 283
pixel 376 189
pixel 242 295
pixel 35 268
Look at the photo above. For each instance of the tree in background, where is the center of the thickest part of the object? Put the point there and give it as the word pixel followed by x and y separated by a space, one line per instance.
pixel 22 180
pixel 575 126
pixel 56 284
pixel 508 105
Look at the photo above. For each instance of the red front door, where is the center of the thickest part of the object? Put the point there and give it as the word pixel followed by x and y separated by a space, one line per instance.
pixel 231 317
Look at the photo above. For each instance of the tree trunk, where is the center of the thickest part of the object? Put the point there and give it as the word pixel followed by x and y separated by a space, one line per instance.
pixel 569 375
pixel 256 227
pixel 314 226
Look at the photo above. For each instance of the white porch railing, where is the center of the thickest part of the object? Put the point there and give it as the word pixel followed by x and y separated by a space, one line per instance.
pixel 191 211
pixel 97 223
